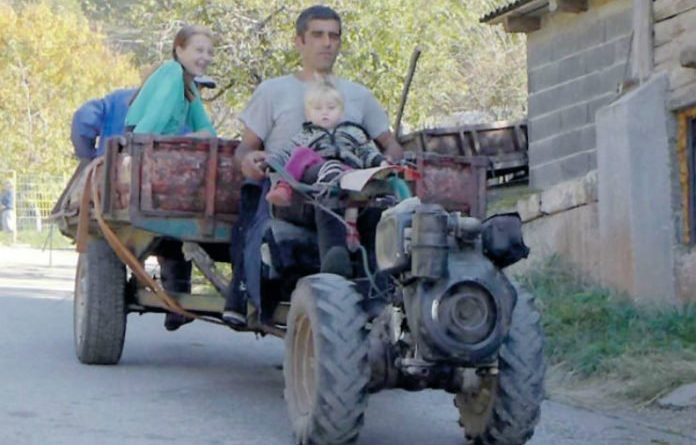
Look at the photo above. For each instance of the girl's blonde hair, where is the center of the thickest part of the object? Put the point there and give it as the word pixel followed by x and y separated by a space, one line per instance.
pixel 323 88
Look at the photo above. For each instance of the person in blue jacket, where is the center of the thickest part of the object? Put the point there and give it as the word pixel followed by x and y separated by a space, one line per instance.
pixel 104 117
pixel 99 118
pixel 7 216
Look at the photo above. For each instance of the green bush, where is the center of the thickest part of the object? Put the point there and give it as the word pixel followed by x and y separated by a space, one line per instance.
pixel 593 332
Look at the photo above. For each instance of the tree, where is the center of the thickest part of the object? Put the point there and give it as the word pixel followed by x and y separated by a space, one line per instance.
pixel 465 65
pixel 53 62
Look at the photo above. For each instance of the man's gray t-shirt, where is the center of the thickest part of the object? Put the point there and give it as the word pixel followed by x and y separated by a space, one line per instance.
pixel 275 112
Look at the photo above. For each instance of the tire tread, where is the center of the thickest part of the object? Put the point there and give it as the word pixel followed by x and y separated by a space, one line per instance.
pixel 105 317
pixel 343 365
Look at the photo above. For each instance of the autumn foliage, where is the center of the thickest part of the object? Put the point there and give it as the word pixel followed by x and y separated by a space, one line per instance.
pixel 51 61
pixel 53 58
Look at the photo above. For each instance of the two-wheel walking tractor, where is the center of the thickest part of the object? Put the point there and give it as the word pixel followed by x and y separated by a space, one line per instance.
pixel 429 306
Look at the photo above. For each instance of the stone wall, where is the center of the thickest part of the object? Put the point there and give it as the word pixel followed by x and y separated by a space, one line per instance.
pixel 563 221
pixel 675 39
pixel 575 64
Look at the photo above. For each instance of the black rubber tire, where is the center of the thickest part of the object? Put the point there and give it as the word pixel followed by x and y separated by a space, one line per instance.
pixel 99 309
pixel 326 394
pixel 513 397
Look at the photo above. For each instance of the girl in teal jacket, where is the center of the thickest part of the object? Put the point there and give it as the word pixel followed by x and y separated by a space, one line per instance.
pixel 169 100
pixel 167 103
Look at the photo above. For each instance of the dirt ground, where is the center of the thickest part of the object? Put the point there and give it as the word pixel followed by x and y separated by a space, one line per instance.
pixel 593 397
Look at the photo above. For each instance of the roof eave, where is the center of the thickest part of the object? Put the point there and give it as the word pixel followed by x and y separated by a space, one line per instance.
pixel 525 15
pixel 515 9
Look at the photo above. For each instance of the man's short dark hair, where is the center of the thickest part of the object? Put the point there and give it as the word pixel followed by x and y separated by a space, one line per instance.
pixel 316 12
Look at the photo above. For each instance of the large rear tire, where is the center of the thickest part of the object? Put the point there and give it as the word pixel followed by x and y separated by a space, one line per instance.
pixel 99 309
pixel 505 408
pixel 326 365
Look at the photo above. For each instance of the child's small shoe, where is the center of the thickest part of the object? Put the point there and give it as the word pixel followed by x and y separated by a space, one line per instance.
pixel 234 319
pixel 280 195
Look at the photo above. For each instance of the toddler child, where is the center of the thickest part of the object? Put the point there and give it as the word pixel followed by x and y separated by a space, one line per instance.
pixel 325 148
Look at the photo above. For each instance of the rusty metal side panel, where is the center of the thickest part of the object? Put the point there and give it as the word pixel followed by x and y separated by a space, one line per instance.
pixel 503 143
pixel 455 182
pixel 182 187
pixel 182 176
pixel 117 169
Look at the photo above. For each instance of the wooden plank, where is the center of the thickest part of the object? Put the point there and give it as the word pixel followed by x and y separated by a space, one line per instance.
pixel 683 97
pixel 671 49
pixel 680 77
pixel 573 6
pixel 668 30
pixel 664 56
pixel 665 9
pixel 522 24
pixel 687 56
pixel 663 67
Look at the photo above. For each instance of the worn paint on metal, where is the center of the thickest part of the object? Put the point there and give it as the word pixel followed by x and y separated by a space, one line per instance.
pixel 182 187
pixel 138 241
pixel 189 189
pixel 184 228
pixel 457 183
pixel 212 303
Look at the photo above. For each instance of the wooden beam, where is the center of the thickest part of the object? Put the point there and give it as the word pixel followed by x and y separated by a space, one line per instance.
pixel 643 47
pixel 666 9
pixel 677 29
pixel 687 57
pixel 574 6
pixel 522 24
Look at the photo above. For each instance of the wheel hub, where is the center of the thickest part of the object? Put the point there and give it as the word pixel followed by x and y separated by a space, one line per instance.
pixel 467 314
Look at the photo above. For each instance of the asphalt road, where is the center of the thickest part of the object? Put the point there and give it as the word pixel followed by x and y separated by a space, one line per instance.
pixel 202 384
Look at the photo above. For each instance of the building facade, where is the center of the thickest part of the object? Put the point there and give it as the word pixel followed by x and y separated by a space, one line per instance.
pixel 612 97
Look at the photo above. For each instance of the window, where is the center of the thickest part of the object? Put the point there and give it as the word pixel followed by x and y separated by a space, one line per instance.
pixel 686 150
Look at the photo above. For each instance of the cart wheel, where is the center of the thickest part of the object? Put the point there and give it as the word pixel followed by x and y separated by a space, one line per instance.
pixel 326 365
pixel 99 310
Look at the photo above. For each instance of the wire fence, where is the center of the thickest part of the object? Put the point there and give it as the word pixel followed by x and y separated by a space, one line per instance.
pixel 34 197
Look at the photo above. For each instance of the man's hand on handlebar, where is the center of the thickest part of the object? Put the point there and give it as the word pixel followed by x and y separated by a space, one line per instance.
pixel 254 165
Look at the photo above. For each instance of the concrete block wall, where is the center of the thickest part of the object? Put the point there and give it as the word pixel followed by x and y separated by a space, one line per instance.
pixel 576 63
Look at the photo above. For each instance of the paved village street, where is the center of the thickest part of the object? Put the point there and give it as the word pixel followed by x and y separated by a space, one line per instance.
pixel 202 384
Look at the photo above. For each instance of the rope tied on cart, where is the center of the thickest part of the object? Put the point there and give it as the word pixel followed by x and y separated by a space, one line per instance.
pixel 90 196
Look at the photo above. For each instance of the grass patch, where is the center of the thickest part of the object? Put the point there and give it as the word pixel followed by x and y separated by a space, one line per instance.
pixel 37 240
pixel 592 333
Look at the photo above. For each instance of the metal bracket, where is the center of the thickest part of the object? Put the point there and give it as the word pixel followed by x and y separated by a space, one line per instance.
pixel 194 252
